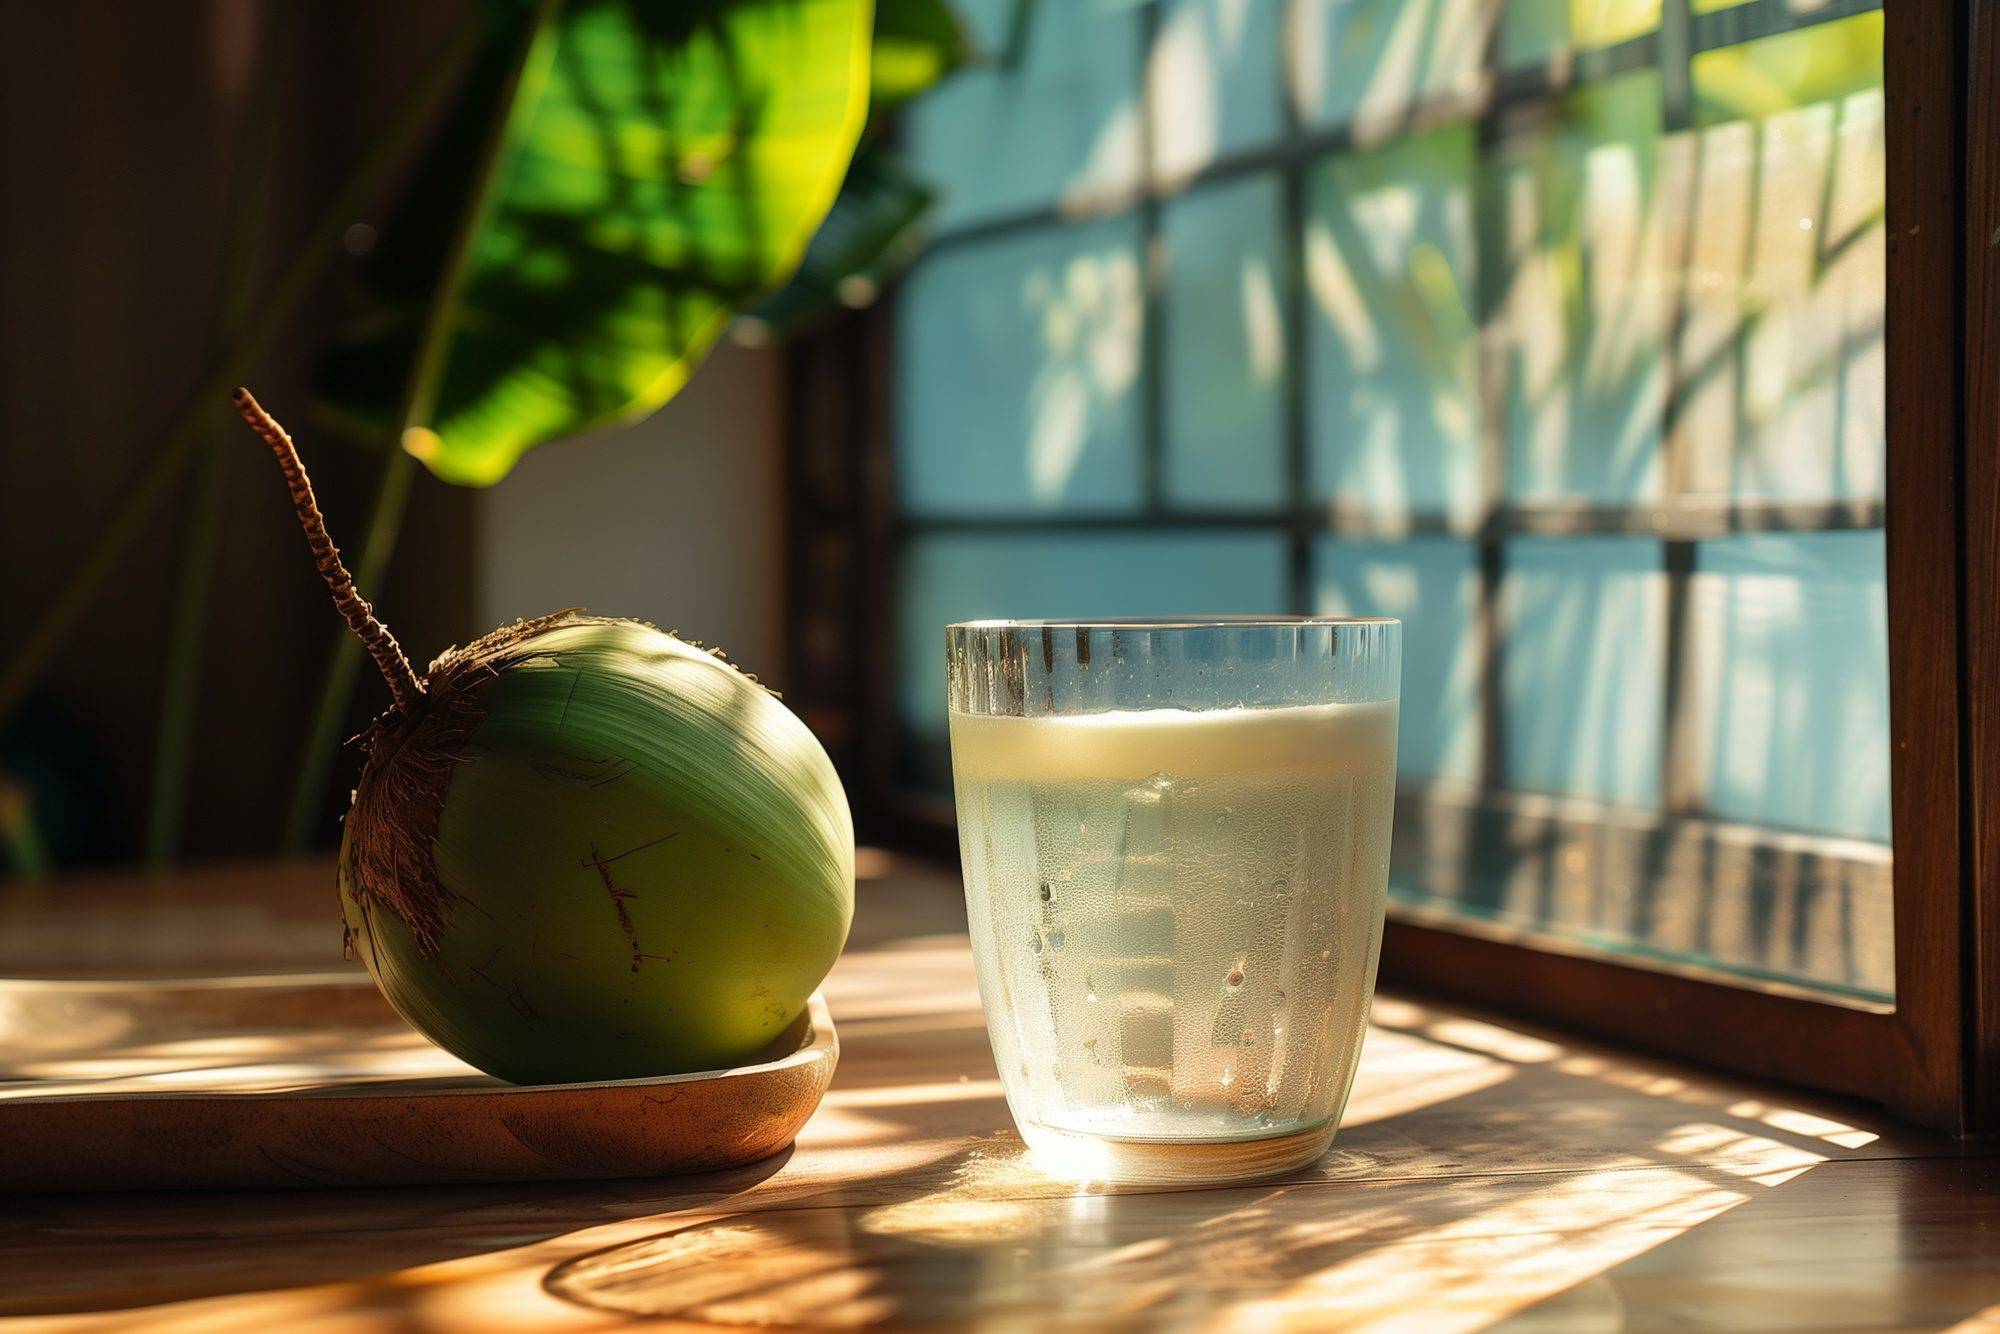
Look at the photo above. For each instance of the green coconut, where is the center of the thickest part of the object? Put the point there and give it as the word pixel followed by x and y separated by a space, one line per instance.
pixel 582 848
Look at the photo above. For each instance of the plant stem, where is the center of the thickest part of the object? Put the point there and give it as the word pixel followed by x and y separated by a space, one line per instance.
pixel 419 407
pixel 385 523
pixel 26 856
pixel 276 309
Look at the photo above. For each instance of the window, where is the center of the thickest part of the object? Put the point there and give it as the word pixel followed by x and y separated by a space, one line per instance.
pixel 1554 327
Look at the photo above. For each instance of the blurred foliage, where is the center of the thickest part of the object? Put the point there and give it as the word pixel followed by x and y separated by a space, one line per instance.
pixel 1824 63
pixel 617 179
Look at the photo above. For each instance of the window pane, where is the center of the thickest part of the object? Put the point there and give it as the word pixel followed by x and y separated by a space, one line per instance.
pixel 1580 334
pixel 1533 30
pixel 1582 667
pixel 1212 81
pixel 1225 346
pixel 1583 279
pixel 1369 63
pixel 1017 371
pixel 1432 584
pixel 965 576
pixel 1792 681
pixel 1782 342
pixel 1390 266
pixel 1053 117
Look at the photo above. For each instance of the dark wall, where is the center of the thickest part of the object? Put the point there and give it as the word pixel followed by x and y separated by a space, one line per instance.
pixel 134 182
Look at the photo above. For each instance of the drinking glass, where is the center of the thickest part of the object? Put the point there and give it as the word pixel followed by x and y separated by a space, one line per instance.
pixel 1175 838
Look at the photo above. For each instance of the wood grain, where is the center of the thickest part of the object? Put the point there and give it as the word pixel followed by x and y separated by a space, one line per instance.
pixel 312 1080
pixel 1485 1171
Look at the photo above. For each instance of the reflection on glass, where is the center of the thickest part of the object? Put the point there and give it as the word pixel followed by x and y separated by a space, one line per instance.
pixel 1393 350
pixel 1212 81
pixel 1371 63
pixel 1576 322
pixel 1432 584
pixel 1224 360
pixel 1018 365
pixel 1583 270
pixel 1054 118
pixel 1781 346
pixel 1582 671
pixel 1792 681
pixel 1534 30
pixel 955 577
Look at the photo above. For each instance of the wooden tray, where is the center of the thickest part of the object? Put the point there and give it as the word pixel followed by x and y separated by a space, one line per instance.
pixel 312 1080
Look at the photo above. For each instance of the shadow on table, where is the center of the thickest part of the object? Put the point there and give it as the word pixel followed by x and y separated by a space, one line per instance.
pixel 1483 1173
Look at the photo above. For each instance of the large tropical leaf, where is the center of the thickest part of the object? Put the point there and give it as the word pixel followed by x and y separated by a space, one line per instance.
pixel 873 229
pixel 877 224
pixel 656 165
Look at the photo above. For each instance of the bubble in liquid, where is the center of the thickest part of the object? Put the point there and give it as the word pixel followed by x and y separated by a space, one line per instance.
pixel 1249 1038
pixel 1057 939
pixel 1235 978
pixel 1035 941
pixel 1090 990
pixel 1047 892
pixel 1326 954
pixel 1090 1044
pixel 1160 782
pixel 1277 997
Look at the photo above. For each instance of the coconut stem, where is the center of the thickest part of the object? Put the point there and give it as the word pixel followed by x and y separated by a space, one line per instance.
pixel 353 608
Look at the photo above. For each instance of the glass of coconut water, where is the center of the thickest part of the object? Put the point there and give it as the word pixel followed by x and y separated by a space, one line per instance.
pixel 1175 838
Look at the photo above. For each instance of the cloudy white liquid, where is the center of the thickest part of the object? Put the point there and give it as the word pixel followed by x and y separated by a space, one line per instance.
pixel 1175 914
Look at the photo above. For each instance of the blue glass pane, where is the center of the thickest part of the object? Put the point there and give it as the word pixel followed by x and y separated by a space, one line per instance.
pixel 1583 284
pixel 958 577
pixel 1212 81
pixel 1371 62
pixel 1432 583
pixel 1224 346
pixel 1056 119
pixel 1792 680
pixel 1392 347
pixel 1781 342
pixel 1581 674
pixel 1017 372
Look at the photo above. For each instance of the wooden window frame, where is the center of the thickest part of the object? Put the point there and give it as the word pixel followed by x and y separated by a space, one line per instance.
pixel 1934 1056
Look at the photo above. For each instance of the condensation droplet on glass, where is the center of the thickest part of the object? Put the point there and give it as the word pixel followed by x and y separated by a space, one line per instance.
pixel 1090 990
pixel 1249 1038
pixel 1160 782
pixel 1228 1076
pixel 1057 939
pixel 1279 887
pixel 1235 978
pixel 1047 892
pixel 1277 997
pixel 1326 953
pixel 1035 941
pixel 1090 1044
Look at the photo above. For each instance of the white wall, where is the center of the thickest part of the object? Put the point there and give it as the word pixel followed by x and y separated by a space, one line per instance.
pixel 674 520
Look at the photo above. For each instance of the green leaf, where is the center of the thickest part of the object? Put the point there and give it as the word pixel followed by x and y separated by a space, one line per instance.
pixel 917 42
pixel 655 167
pixel 874 228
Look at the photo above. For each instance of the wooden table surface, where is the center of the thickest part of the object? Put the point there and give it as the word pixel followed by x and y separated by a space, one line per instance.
pixel 1485 1173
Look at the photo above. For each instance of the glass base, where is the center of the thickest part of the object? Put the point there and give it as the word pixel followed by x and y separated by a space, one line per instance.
pixel 1153 1162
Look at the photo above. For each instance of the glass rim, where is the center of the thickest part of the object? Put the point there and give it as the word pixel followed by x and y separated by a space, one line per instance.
pixel 1173 623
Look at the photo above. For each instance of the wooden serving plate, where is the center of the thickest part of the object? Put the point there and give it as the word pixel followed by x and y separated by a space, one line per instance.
pixel 311 1080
